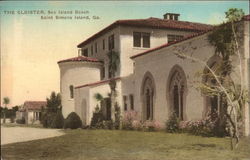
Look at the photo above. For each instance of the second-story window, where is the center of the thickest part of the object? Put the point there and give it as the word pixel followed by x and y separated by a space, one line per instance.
pixel 96 47
pixel 102 73
pixel 71 90
pixel 92 50
pixel 85 52
pixel 141 39
pixel 172 37
pixel 103 44
pixel 111 42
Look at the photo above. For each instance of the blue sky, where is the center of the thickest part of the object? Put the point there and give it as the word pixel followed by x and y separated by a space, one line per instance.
pixel 31 47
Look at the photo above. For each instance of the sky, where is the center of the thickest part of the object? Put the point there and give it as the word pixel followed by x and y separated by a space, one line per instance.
pixel 32 46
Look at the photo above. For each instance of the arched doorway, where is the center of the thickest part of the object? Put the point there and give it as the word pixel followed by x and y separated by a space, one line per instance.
pixel 148 96
pixel 177 91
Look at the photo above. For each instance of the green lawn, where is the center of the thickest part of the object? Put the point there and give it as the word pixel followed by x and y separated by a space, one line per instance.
pixel 126 145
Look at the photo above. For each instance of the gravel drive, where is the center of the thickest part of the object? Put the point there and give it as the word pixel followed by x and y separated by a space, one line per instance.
pixel 21 134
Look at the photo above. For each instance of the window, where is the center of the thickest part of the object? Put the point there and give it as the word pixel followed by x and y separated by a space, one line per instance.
pixel 85 52
pixel 103 73
pixel 172 37
pixel 131 98
pixel 103 44
pixel 92 50
pixel 71 90
pixel 141 39
pixel 96 47
pixel 111 42
pixel 125 103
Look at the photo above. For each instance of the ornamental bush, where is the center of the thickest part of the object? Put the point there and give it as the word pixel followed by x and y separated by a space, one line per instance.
pixel 73 121
pixel 172 124
pixel 58 121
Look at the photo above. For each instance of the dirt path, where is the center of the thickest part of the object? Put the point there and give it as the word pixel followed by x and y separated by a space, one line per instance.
pixel 21 134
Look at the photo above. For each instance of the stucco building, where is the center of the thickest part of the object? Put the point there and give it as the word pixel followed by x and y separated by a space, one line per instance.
pixel 151 79
pixel 31 111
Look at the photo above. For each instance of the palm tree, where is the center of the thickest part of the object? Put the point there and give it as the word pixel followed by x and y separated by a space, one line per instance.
pixel 6 101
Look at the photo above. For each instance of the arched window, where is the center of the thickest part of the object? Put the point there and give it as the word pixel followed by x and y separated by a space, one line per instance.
pixel 71 90
pixel 148 93
pixel 177 91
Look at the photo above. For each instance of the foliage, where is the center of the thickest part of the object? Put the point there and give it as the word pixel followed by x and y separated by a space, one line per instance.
pixel 47 119
pixel 58 121
pixel 209 126
pixel 54 102
pixel 49 112
pixel 6 101
pixel 172 124
pixel 128 119
pixel 234 14
pixel 73 121
pixel 21 121
pixel 98 97
pixel 97 118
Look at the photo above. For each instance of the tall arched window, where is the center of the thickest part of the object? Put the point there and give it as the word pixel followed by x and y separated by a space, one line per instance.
pixel 71 90
pixel 177 91
pixel 148 93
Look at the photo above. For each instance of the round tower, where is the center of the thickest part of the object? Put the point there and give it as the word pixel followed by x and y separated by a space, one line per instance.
pixel 74 72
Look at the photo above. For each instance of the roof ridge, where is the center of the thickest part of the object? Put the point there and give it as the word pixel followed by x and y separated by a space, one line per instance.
pixel 150 22
pixel 80 58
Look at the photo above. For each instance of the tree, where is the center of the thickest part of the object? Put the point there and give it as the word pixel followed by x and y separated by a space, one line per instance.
pixel 114 61
pixel 6 101
pixel 54 102
pixel 51 110
pixel 233 96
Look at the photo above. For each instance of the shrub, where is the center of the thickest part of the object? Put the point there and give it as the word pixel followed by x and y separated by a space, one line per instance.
pixel 209 126
pixel 97 118
pixel 47 119
pixel 151 126
pixel 172 125
pixel 21 121
pixel 58 121
pixel 127 121
pixel 73 121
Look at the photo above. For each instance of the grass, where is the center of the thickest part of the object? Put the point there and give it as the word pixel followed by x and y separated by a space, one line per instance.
pixel 21 125
pixel 126 145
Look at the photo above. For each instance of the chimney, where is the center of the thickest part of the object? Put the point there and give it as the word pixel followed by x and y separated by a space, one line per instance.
pixel 171 16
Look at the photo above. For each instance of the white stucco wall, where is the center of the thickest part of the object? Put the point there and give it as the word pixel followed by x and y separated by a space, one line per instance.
pixel 76 73
pixel 159 63
pixel 87 94
pixel 157 38
pixel 101 53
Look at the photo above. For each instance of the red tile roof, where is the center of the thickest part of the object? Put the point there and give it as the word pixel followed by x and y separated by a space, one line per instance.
pixel 34 105
pixel 96 83
pixel 152 23
pixel 80 58
pixel 246 18
pixel 170 44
